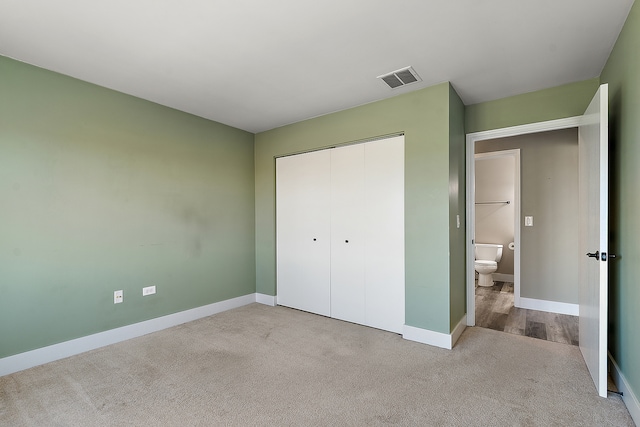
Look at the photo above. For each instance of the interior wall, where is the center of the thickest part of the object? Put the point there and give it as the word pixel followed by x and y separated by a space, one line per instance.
pixel 622 73
pixel 457 210
pixel 102 191
pixel 424 118
pixel 558 102
pixel 495 182
pixel 549 193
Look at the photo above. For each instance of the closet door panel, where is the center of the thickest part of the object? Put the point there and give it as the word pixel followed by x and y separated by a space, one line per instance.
pixel 347 234
pixel 384 265
pixel 303 231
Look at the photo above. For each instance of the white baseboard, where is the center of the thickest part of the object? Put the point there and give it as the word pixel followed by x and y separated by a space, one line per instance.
pixel 501 277
pixel 549 306
pixel 40 356
pixel 458 330
pixel 437 339
pixel 266 299
pixel 628 396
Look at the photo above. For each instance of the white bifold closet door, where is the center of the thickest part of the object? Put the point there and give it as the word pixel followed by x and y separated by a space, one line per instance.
pixel 358 204
pixel 303 231
pixel 348 234
pixel 384 219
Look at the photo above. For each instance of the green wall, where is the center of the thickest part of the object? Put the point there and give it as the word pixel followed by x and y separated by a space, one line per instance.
pixel 457 206
pixel 622 73
pixel 549 104
pixel 102 191
pixel 424 118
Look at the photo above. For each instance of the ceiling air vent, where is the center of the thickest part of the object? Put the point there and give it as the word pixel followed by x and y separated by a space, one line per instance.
pixel 401 77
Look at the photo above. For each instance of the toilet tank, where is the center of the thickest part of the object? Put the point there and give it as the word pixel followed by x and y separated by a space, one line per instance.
pixel 489 251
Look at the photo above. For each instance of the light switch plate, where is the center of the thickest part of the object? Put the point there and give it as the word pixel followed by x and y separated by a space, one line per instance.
pixel 528 221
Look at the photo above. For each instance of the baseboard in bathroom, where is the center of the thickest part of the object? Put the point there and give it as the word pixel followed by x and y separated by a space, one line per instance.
pixel 549 306
pixel 501 277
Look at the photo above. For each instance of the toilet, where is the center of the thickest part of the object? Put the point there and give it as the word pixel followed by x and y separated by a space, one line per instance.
pixel 487 257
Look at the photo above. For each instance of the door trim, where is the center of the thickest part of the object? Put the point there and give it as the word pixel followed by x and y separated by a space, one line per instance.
pixel 472 138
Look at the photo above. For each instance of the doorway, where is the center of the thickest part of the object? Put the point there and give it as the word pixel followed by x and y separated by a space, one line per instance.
pixel 545 305
pixel 472 141
pixel 593 225
pixel 497 192
pixel 548 273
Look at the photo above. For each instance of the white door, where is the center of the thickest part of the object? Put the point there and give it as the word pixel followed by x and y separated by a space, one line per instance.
pixel 303 231
pixel 593 152
pixel 367 234
pixel 340 233
pixel 384 218
pixel 348 233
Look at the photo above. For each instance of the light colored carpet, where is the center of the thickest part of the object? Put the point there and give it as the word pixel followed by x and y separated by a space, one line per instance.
pixel 260 365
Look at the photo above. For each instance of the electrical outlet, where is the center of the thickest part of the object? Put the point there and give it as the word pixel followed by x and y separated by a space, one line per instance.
pixel 149 290
pixel 118 297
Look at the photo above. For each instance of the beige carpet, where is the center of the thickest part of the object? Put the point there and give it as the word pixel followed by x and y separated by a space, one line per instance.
pixel 260 365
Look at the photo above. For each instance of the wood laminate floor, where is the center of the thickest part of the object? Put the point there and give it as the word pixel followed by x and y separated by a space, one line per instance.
pixel 495 310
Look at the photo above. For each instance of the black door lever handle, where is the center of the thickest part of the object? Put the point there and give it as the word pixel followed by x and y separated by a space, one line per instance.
pixel 594 255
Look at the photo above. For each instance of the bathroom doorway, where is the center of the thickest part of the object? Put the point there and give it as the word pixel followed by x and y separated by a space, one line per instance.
pixel 497 191
pixel 497 203
pixel 591 216
pixel 548 169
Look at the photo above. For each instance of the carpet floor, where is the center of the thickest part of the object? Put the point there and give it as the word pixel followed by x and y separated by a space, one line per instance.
pixel 259 365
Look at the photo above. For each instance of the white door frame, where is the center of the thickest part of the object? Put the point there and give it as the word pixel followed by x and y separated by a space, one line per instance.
pixel 472 138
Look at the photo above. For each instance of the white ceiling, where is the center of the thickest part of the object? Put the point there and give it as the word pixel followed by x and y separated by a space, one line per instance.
pixel 257 64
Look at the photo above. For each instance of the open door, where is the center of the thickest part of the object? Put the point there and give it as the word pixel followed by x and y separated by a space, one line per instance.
pixel 593 160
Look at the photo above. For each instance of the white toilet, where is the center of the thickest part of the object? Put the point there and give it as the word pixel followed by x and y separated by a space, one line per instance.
pixel 487 257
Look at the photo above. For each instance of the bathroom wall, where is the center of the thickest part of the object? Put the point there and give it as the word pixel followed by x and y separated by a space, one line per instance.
pixel 495 181
pixel 549 193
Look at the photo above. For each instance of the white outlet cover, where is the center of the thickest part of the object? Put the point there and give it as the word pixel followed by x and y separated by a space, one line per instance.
pixel 118 297
pixel 149 290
